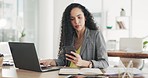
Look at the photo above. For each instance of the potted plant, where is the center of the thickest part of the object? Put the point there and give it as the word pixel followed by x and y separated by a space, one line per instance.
pixel 21 39
pixel 145 45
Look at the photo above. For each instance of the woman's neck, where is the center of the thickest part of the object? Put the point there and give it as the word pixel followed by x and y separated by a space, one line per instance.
pixel 80 34
pixel 79 38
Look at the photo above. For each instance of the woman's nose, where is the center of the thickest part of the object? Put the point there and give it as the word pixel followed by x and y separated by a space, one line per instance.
pixel 76 21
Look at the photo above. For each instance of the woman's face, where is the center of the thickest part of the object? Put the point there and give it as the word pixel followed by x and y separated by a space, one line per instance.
pixel 77 19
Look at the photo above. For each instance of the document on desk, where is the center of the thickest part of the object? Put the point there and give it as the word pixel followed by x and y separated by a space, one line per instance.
pixel 80 71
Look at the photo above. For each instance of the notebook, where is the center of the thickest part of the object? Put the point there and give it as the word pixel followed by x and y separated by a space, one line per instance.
pixel 25 57
pixel 80 71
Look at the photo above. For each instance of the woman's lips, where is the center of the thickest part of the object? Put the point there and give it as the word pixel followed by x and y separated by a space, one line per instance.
pixel 77 26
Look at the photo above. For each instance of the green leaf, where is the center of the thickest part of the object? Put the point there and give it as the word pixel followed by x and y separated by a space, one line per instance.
pixel 144 44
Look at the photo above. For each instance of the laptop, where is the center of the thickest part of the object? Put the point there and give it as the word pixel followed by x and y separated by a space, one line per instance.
pixel 25 57
pixel 131 44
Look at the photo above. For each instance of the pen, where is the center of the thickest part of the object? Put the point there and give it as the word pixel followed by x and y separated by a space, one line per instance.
pixel 68 76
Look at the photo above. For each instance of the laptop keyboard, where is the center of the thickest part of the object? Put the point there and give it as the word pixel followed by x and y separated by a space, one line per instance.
pixel 44 67
pixel 50 68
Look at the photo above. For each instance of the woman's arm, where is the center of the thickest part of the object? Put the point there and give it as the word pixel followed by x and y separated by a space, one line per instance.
pixel 61 61
pixel 55 62
pixel 101 60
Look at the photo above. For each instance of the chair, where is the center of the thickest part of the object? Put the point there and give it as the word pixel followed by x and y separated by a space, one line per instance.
pixel 137 63
pixel 132 45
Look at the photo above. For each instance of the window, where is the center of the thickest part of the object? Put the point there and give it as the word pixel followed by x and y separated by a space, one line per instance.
pixel 8 14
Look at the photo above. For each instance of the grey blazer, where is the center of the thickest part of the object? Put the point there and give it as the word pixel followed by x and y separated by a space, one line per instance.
pixel 93 49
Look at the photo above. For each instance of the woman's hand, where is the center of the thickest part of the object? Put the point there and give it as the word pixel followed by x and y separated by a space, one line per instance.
pixel 48 62
pixel 77 60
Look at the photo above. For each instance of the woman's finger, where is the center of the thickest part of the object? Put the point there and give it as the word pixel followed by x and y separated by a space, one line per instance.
pixel 72 60
pixel 75 54
pixel 70 56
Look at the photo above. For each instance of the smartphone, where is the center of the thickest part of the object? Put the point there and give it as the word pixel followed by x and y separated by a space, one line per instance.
pixel 68 49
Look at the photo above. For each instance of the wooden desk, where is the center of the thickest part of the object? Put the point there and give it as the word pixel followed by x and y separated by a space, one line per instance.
pixel 12 72
pixel 127 54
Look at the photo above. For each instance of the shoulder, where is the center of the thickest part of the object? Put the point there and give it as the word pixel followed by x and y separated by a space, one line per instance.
pixel 94 32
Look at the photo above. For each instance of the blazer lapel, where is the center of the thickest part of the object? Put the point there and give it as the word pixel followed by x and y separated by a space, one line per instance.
pixel 86 37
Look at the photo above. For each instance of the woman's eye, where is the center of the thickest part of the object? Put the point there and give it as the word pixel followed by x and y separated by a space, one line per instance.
pixel 79 17
pixel 71 18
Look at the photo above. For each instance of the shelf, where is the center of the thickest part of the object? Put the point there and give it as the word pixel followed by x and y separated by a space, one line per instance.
pixel 122 22
pixel 116 30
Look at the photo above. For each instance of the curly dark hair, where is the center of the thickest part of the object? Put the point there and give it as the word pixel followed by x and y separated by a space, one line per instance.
pixel 67 30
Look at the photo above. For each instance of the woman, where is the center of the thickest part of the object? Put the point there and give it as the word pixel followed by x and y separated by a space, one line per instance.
pixel 79 30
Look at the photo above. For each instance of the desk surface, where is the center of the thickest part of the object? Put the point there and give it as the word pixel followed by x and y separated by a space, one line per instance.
pixel 12 72
pixel 127 54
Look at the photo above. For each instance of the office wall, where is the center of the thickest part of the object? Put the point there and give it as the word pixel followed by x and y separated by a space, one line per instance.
pixel 29 17
pixel 59 7
pixel 45 28
pixel 140 18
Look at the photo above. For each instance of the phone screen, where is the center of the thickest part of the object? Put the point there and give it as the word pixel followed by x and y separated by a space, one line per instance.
pixel 68 49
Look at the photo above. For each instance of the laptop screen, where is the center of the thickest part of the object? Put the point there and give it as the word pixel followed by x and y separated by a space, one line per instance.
pixel 24 56
pixel 131 44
